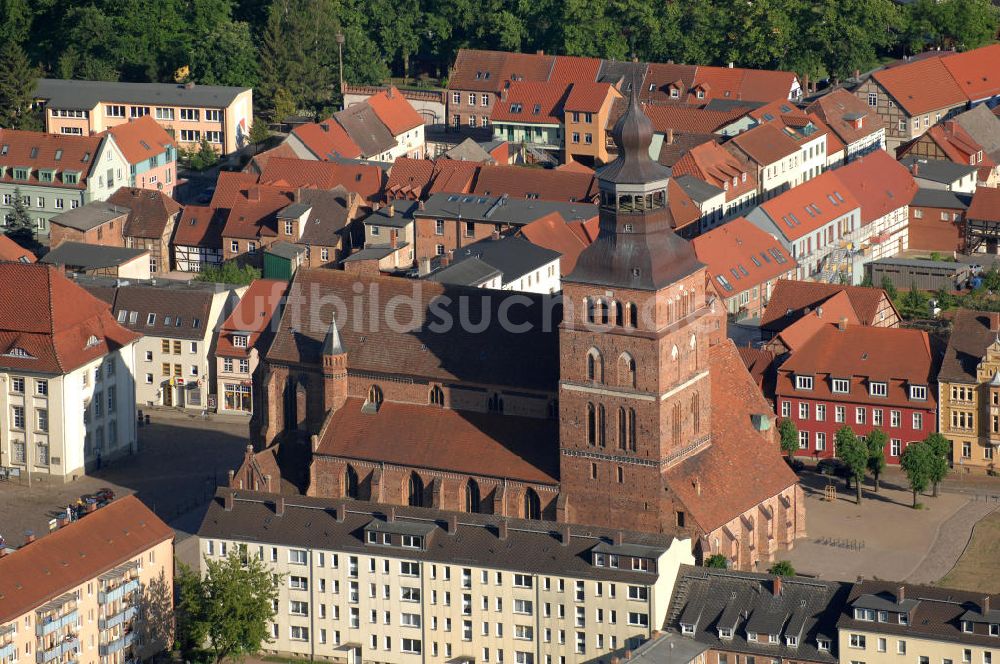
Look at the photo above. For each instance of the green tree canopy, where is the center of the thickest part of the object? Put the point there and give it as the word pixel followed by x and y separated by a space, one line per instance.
pixel 229 272
pixel 875 441
pixel 938 466
pixel 782 568
pixel 916 462
pixel 17 88
pixel 717 561
pixel 789 435
pixel 229 610
pixel 854 453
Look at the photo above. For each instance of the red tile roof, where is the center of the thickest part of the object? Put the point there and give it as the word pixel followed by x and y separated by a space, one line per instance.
pixel 879 183
pixel 141 139
pixel 253 211
pixel 549 185
pixel 683 211
pixel 745 84
pixel 362 179
pixel 976 72
pixel 574 69
pixel 899 356
pixel 259 161
pixel 481 71
pixel 62 326
pixel 711 163
pixel 228 187
pixel 766 143
pixel 83 550
pixel 568 238
pixel 838 110
pixel 531 102
pixel 588 97
pixel 422 436
pixel 959 146
pixel 199 226
pixel 834 309
pixel 660 77
pixel 395 111
pixel 150 212
pixel 12 251
pixel 409 178
pixel 454 177
pixel 922 86
pixel 827 199
pixel 704 482
pixel 758 362
pixel 790 298
pixel 688 118
pixel 327 138
pixel 742 254
pixel 985 205
pixel 75 153
pixel 252 315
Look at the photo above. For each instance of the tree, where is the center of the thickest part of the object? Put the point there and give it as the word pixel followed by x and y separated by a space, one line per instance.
pixel 229 610
pixel 789 434
pixel 259 133
pixel 19 226
pixel 889 288
pixel 916 463
pixel 875 442
pixel 17 88
pixel 229 272
pixel 940 454
pixel 854 454
pixel 782 568
pixel 717 561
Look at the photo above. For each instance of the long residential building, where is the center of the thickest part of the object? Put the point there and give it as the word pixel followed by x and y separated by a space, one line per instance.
pixel 95 591
pixel 67 368
pixel 370 582
pixel 190 113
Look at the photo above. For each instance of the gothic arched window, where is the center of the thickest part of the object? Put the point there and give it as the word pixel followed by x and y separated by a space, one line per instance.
pixel 591 424
pixel 471 496
pixel 350 483
pixel 415 491
pixel 375 396
pixel 619 318
pixel 595 366
pixel 626 370
pixel 696 412
pixel 532 505
pixel 631 315
pixel 600 425
pixel 437 395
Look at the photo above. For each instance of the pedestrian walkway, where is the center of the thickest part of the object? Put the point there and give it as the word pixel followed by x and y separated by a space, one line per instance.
pixel 952 537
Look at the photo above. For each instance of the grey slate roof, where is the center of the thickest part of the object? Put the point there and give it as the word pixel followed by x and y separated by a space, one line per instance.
pixel 630 73
pixel 374 253
pixel 668 649
pixel 83 256
pixel 293 211
pixel 284 249
pixel 402 214
pixel 939 198
pixel 984 127
pixel 511 256
pixel 327 216
pixel 699 190
pixel 938 170
pixel 501 209
pixel 365 129
pixel 970 336
pixel 85 95
pixel 746 602
pixel 468 150
pixel 530 546
pixel 953 266
pixel 90 216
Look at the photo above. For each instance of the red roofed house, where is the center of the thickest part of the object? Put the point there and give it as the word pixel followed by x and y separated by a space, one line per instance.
pixel 241 340
pixel 884 188
pixel 249 211
pixel 477 77
pixel 152 216
pixel 855 124
pixel 863 378
pixel 951 142
pixel 727 170
pixel 791 300
pixel 811 221
pixel 69 371
pixel 530 114
pixel 982 221
pixel 150 152
pixel 569 238
pixel 774 154
pixel 116 564
pixel 322 140
pixel 197 241
pixel 534 183
pixel 655 409
pixel 365 180
pixel 586 113
pixel 402 121
pixel 744 263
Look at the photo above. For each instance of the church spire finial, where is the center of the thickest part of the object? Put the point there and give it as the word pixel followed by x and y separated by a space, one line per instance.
pixel 332 344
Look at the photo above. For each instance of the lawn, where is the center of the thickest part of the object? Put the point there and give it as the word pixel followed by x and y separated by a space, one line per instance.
pixel 979 567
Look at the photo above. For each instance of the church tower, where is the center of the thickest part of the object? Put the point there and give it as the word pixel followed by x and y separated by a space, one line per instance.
pixel 634 395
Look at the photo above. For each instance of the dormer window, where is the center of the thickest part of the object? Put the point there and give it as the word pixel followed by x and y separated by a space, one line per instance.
pixel 877 389
pixel 674 93
pixel 240 340
pixel 803 382
pixel 725 633
pixel 700 94
pixel 918 392
pixel 751 636
pixel 687 628
pixel 823 645
pixel 841 385
pixel 904 619
pixel 411 541
pixel 372 537
pixel 967 626
pixel 599 560
pixel 515 108
pixel 883 616
pixel 792 641
pixel 868 615
pixel 772 638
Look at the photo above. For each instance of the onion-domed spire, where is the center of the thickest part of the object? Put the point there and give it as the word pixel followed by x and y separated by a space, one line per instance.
pixel 633 134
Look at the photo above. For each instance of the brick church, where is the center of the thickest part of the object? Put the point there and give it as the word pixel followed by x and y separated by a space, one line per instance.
pixel 621 404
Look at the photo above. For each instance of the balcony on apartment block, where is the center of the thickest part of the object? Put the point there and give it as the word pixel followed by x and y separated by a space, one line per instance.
pixel 119 618
pixel 117 645
pixel 67 645
pixel 118 583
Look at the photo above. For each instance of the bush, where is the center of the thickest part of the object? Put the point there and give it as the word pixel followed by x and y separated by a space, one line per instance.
pixel 229 273
pixel 199 160
pixel 782 568
pixel 717 561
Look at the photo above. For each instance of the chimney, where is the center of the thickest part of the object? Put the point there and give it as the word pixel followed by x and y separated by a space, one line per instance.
pixel 420 205
pixel 670 136
pixel 227 501
pixel 842 324
pixel 732 64
pixel 857 73
pixel 391 514
pixel 253 193
pixel 232 479
pixel 502 529
pixel 392 209
pixel 393 239
pixel 340 512
pixel 452 524
pixel 446 259
pixel 696 482
pixel 324 126
pixel 539 52
pixel 495 235
pixel 564 534
pixel 900 594
pixel 619 537
pixel 915 169
pixel 314 442
pixel 776 586
pixel 279 506
pixel 986 604
pixel 819 312
pixel 424 266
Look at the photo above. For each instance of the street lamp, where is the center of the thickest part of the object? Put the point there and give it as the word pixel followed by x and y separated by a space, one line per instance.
pixel 340 58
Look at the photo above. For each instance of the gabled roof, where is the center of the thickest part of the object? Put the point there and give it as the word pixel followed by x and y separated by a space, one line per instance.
pixel 840 111
pixel 394 111
pixel 409 178
pixel 972 332
pixel 468 150
pixel 57 152
pixel 252 316
pixel 835 309
pixel 82 550
pixel 12 251
pixel 744 84
pixel 478 70
pixel 922 86
pixel 63 328
pixel 199 226
pixel 149 211
pixel 959 146
pixel 588 97
pixel 985 205
pixel 975 72
pixel 453 176
pixel 252 213
pixel 81 256
pixel 140 139
pixel 809 206
pixel 531 102
pixel 569 238
pixel 527 361
pixel 879 183
pixel 329 214
pixel 740 256
pixel 790 298
pixel 766 143
pixel 362 179
pixel 90 216
pixel 683 211
pixel 716 166
pixel 937 170
pixel 984 127
pixel 520 182
pixel 574 69
pixel 365 128
pixel 326 139
pixel 513 257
